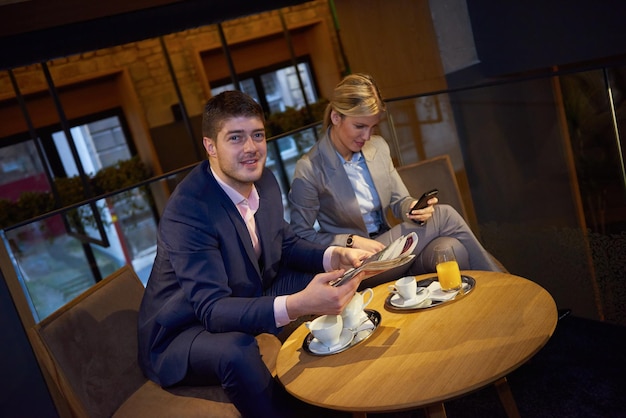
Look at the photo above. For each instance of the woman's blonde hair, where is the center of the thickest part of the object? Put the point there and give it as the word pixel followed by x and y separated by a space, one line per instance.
pixel 355 95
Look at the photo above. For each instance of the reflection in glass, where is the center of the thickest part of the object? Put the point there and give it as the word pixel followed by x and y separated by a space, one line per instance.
pixel 21 170
pixel 596 143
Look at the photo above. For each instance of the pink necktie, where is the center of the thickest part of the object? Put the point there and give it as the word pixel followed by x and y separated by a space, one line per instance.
pixel 248 217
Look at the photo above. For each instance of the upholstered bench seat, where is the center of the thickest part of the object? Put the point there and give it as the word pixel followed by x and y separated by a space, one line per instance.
pixel 88 353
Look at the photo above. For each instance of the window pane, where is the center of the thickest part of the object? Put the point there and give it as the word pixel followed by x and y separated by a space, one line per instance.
pixel 21 171
pixel 63 255
pixel 53 265
pixel 109 141
pixel 247 86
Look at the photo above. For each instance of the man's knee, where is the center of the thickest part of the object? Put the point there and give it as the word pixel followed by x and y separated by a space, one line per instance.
pixel 223 354
pixel 238 350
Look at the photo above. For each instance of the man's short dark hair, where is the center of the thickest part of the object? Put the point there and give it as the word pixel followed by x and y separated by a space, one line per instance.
pixel 226 105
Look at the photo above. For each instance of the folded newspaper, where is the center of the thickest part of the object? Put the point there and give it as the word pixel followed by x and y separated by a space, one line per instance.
pixel 395 254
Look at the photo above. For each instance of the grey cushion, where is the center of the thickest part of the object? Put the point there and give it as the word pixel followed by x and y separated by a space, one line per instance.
pixel 434 173
pixel 438 173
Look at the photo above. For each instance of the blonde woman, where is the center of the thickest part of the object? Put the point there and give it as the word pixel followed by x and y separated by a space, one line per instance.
pixel 344 185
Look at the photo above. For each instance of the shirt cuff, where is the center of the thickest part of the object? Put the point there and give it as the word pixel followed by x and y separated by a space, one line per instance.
pixel 280 311
pixel 328 255
pixel 280 302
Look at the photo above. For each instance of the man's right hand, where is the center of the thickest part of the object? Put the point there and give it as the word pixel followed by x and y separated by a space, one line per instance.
pixel 320 298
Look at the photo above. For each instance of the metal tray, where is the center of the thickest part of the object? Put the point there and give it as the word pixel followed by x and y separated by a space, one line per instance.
pixel 469 283
pixel 373 316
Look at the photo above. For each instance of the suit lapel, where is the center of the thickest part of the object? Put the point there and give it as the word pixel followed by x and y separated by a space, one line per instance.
pixel 235 217
pixel 242 231
pixel 339 180
pixel 263 228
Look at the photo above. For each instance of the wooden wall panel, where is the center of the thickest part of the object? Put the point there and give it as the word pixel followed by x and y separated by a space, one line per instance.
pixel 393 41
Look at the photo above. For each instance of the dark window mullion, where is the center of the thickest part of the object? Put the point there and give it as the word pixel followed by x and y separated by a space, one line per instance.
pixel 52 154
pixel 258 85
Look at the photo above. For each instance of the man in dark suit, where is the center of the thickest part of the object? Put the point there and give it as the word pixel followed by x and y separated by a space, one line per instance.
pixel 228 267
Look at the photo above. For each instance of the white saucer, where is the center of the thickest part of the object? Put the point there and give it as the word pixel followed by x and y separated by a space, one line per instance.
pixel 399 302
pixel 439 295
pixel 345 339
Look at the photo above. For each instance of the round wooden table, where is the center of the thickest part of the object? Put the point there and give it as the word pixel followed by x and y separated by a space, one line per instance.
pixel 422 358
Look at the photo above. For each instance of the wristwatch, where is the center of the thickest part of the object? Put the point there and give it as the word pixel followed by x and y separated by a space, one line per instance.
pixel 350 241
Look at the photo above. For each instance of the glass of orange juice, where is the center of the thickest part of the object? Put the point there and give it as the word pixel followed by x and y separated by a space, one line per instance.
pixel 447 269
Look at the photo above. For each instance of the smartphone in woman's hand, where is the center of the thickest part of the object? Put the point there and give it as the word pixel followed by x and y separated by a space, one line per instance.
pixel 422 202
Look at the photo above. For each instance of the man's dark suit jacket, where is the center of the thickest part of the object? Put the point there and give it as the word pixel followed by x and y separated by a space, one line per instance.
pixel 206 275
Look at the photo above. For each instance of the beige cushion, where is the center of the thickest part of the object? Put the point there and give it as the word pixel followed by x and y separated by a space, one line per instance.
pixel 88 350
pixel 150 400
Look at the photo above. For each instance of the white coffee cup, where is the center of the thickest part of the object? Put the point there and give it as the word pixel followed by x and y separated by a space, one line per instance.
pixel 406 287
pixel 327 329
pixel 352 314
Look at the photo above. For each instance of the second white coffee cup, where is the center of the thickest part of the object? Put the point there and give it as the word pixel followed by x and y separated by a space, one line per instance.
pixel 353 312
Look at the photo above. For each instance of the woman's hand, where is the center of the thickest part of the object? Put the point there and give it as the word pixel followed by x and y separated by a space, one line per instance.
pixel 422 215
pixel 367 244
